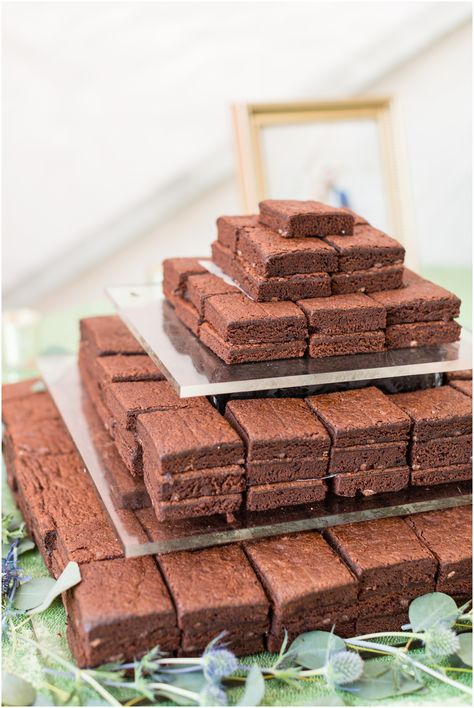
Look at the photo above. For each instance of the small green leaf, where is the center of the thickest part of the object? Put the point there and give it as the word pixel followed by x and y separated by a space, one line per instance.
pixel 16 691
pixel 192 681
pixel 312 649
pixel 254 690
pixel 374 685
pixel 32 593
pixel 430 610
pixel 465 649
pixel 27 544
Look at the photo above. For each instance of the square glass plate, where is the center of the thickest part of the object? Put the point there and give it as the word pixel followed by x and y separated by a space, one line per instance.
pixel 194 370
pixel 141 534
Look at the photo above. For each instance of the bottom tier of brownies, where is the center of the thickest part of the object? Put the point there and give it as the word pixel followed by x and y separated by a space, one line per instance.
pixel 254 591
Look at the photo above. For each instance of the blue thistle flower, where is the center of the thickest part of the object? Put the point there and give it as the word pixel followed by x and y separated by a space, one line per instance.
pixel 217 664
pixel 212 695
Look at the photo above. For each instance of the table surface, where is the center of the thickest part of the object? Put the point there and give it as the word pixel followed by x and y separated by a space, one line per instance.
pixel 60 332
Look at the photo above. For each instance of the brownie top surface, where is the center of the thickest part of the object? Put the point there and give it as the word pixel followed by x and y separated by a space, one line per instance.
pixel 299 566
pixel 447 533
pixel 239 221
pixel 20 389
pixel 352 301
pixel 276 419
pixel 140 395
pixel 413 292
pixel 437 404
pixel 207 284
pixel 120 368
pixel 364 237
pixel 183 266
pixel 370 545
pixel 358 409
pixel 268 243
pixel 237 307
pixel 211 580
pixel 286 208
pixel 187 429
pixel 28 408
pixel 115 590
pixel 109 335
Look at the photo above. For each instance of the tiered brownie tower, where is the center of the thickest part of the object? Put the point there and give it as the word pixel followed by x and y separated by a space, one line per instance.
pixel 308 280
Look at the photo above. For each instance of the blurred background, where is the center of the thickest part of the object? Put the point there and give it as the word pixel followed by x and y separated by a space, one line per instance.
pixel 118 142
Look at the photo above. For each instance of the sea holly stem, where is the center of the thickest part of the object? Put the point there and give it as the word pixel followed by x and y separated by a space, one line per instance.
pixel 400 654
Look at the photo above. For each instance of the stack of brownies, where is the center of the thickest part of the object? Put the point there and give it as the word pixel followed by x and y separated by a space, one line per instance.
pixel 304 258
pixel 441 438
pixel 358 577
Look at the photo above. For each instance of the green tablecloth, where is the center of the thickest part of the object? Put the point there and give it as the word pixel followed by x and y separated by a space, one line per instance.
pixel 61 330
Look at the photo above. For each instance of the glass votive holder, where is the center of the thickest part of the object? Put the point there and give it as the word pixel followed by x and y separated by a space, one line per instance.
pixel 20 342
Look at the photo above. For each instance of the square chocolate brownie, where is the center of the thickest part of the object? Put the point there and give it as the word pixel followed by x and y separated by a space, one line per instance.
pixel 441 475
pixel 230 227
pixel 176 272
pixel 297 219
pixel 370 482
pixel 271 255
pixel 241 353
pixel 421 334
pixel 366 248
pixel 275 496
pixel 361 416
pixel 463 386
pixel 385 555
pixel 338 314
pixel 200 287
pixel 322 345
pixel 441 452
pixel 240 320
pixel 288 287
pixel 108 335
pixel 281 428
pixel 368 457
pixel 28 409
pixel 140 367
pixel 418 301
pixel 448 535
pixel 286 470
pixel 185 311
pixel 177 510
pixel 463 375
pixel 367 281
pixel 436 412
pixel 190 438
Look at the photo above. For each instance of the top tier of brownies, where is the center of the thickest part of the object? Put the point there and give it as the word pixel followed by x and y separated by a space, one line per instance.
pixel 306 278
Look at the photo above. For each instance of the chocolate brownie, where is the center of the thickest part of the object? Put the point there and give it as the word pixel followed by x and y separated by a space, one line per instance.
pixel 342 314
pixel 281 428
pixel 28 409
pixel 382 623
pixel 274 496
pixel 370 482
pixel 441 475
pixel 296 219
pixel 241 640
pixel 360 417
pixel 197 506
pixel 129 399
pixel 186 312
pixel 323 345
pixel 367 457
pixel 421 334
pixel 20 389
pixel 436 412
pixel 239 320
pixel 196 483
pixel 229 228
pixel 385 555
pixel 270 255
pixel 288 287
pixel 448 535
pixel 200 287
pixel 176 271
pixel 463 386
pixel 366 248
pixel 242 353
pixel 419 301
pixel 214 588
pixel 440 452
pixel 272 471
pixel 114 369
pixel 306 581
pixel 108 335
pixel 188 439
pixel 119 610
pixel 367 281
pixel 463 375
pixel 42 437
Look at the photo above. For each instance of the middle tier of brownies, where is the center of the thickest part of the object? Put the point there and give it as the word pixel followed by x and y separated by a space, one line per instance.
pixel 188 460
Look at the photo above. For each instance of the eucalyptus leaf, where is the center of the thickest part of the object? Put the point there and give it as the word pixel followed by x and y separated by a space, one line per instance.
pixel 27 544
pixel 70 576
pixel 387 684
pixel 254 690
pixel 430 610
pixel 312 649
pixel 32 593
pixel 465 648
pixel 16 691
pixel 191 681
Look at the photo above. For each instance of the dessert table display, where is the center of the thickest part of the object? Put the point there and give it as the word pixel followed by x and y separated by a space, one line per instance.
pixel 278 452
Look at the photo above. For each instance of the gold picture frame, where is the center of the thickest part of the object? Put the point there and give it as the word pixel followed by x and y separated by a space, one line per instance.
pixel 254 122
